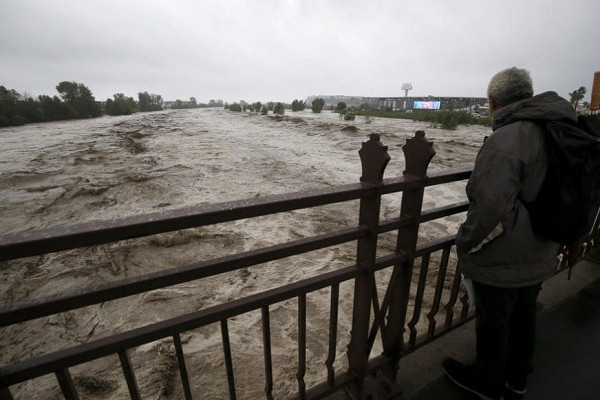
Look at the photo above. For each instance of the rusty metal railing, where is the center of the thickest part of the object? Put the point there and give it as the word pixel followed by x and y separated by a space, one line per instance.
pixel 387 318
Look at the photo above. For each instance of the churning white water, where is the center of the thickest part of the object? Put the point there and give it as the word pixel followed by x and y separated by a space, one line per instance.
pixel 69 172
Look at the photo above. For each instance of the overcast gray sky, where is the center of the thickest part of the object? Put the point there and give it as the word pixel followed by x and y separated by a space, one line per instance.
pixel 272 50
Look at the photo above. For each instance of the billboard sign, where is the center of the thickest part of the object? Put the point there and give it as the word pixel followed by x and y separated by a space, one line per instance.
pixel 426 105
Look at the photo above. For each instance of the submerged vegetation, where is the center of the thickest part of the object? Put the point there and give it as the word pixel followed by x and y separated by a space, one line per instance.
pixel 317 105
pixel 279 109
pixel 445 119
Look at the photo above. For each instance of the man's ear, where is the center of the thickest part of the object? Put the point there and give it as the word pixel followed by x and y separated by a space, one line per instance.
pixel 493 104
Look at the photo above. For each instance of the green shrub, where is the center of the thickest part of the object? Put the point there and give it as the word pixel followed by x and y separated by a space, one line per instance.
pixel 317 105
pixel 298 105
pixel 279 109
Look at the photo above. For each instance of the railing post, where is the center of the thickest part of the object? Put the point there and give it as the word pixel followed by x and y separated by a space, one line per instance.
pixel 374 159
pixel 418 152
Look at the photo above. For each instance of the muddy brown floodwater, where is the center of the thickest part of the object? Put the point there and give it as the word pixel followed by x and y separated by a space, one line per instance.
pixel 68 172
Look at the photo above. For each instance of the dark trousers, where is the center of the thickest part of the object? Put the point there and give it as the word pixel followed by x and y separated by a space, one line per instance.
pixel 505 329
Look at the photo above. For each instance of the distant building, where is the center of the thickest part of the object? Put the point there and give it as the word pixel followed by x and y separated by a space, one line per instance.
pixel 408 103
pixel 431 103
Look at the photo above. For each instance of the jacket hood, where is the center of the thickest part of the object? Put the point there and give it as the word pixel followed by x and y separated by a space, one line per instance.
pixel 547 106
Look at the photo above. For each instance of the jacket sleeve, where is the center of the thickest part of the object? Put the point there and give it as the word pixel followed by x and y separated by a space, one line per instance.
pixel 492 191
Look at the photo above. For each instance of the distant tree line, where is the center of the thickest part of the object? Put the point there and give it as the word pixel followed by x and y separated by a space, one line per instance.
pixel 75 101
pixel 120 105
pixel 179 104
pixel 192 103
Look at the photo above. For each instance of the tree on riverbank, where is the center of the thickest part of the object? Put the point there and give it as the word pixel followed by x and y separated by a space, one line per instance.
pixel 256 107
pixel 237 107
pixel 149 102
pixel 120 105
pixel 298 105
pixel 10 114
pixel 279 109
pixel 179 104
pixel 76 101
pixel 317 105
pixel 341 107
pixel 79 99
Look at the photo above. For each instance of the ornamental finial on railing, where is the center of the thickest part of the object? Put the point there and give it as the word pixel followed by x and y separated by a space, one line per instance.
pixel 374 158
pixel 418 152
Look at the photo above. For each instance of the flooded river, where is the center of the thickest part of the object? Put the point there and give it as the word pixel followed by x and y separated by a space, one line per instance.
pixel 69 172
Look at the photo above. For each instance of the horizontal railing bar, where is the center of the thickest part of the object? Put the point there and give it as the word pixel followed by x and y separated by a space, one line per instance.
pixel 389 260
pixel 393 224
pixel 393 185
pixel 434 245
pixel 444 211
pixel 23 311
pixel 448 175
pixel 50 362
pixel 36 242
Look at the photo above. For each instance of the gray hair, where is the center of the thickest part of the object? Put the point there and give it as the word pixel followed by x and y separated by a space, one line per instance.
pixel 510 85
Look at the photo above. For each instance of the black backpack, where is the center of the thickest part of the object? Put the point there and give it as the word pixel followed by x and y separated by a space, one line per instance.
pixel 567 204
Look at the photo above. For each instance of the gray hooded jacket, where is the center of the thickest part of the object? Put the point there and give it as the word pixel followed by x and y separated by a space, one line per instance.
pixel 496 245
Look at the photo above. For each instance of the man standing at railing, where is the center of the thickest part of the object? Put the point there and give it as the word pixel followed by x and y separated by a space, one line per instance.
pixel 498 251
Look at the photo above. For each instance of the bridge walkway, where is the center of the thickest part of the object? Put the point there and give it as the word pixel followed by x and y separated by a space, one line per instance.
pixel 567 357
